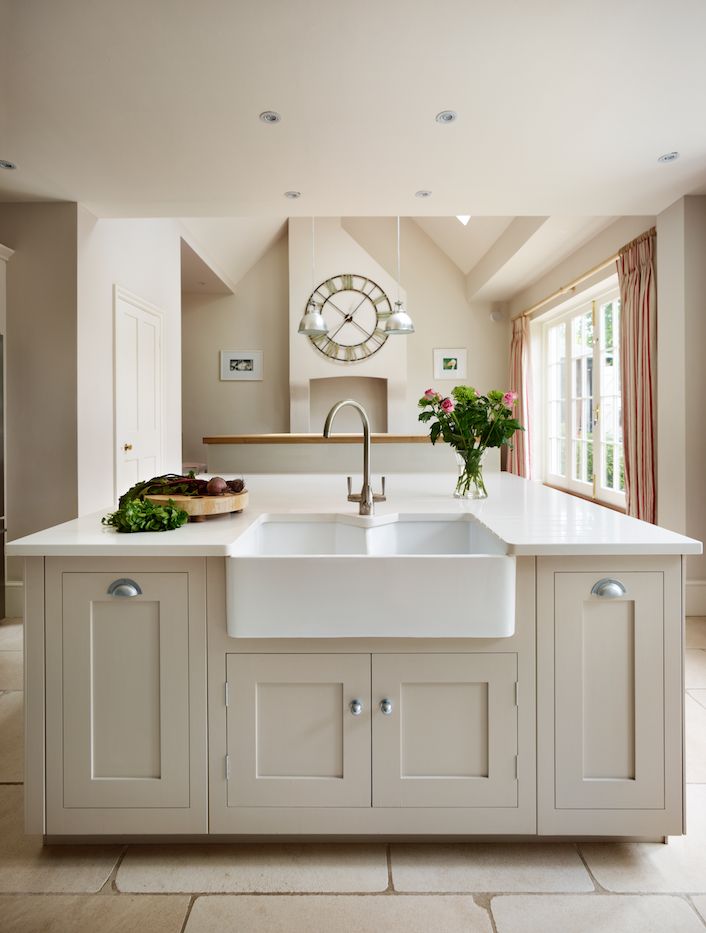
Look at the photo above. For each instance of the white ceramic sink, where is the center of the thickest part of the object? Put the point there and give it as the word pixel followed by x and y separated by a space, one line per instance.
pixel 323 576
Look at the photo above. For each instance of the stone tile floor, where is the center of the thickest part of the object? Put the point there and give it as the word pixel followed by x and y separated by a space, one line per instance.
pixel 435 888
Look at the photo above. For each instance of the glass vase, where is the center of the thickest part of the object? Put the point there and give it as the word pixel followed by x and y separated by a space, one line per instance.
pixel 469 484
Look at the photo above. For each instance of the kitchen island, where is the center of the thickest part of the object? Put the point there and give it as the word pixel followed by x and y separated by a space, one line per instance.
pixel 159 704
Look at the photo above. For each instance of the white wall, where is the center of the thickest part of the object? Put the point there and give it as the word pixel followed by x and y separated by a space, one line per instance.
pixel 142 256
pixel 255 317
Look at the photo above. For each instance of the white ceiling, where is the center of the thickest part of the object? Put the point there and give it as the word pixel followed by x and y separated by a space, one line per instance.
pixel 150 109
pixel 465 245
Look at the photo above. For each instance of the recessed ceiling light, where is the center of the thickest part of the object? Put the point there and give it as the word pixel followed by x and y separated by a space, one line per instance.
pixel 270 116
pixel 292 195
pixel 446 116
pixel 464 218
pixel 5 164
pixel 423 193
pixel 668 157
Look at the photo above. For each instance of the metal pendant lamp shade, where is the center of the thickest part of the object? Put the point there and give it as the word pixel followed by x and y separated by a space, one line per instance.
pixel 312 323
pixel 399 322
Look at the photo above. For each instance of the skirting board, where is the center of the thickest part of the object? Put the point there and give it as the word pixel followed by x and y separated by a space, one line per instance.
pixel 696 597
pixel 14 599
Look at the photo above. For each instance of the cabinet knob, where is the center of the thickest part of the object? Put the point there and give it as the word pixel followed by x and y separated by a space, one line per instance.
pixel 124 587
pixel 608 589
pixel 386 707
pixel 356 707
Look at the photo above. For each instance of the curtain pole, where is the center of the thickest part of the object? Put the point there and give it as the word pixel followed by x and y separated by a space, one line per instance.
pixel 572 286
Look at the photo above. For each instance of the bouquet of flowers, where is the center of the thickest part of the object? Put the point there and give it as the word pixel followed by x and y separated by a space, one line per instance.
pixel 470 422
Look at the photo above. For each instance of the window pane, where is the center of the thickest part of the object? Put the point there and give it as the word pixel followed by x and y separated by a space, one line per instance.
pixel 611 433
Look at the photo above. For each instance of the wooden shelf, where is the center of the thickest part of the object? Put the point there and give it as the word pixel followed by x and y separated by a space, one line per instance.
pixel 315 439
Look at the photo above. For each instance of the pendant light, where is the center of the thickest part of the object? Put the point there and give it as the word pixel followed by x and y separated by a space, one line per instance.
pixel 399 322
pixel 312 323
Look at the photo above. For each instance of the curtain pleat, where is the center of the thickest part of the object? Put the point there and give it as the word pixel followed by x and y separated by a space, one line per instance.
pixel 518 461
pixel 638 335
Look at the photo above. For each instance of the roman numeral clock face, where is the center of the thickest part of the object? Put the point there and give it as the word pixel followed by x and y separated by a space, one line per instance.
pixel 355 309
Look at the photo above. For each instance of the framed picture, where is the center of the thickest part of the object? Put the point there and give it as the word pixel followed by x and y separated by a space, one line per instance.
pixel 241 365
pixel 450 364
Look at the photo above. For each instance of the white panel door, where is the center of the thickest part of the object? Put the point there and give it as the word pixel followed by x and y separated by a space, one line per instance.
pixel 294 738
pixel 138 390
pixel 444 730
pixel 609 682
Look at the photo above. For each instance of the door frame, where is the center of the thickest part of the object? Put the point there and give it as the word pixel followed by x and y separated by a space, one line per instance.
pixel 123 294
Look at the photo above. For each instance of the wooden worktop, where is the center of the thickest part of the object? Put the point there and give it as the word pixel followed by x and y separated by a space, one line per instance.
pixel 315 439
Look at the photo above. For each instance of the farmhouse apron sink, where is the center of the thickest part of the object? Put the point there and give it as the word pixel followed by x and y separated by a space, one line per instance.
pixel 401 576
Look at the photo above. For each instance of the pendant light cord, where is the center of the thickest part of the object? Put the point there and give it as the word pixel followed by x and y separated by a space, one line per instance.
pixel 398 259
pixel 313 257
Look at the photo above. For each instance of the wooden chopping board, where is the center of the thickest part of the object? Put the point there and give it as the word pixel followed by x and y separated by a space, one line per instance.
pixel 201 507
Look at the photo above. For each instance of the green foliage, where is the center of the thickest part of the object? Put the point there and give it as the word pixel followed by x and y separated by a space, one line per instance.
pixel 143 515
pixel 171 484
pixel 471 421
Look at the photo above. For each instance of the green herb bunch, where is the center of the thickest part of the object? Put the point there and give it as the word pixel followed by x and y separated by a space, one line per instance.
pixel 143 515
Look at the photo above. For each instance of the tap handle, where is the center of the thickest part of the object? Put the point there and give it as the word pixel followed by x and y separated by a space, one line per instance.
pixel 383 484
pixel 349 480
pixel 380 496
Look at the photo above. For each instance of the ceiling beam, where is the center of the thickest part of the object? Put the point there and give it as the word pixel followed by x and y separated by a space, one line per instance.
pixel 505 248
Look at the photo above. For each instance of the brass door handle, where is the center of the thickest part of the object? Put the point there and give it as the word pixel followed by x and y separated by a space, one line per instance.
pixel 127 447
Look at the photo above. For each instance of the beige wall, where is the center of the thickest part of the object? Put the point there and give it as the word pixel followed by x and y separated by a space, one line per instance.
pixel 255 317
pixel 142 256
pixel 681 463
pixel 436 300
pixel 41 365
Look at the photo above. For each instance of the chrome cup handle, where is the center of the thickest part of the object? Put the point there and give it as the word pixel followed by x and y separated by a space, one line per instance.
pixel 608 588
pixel 124 588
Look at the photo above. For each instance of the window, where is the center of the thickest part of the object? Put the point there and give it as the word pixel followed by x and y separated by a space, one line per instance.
pixel 582 405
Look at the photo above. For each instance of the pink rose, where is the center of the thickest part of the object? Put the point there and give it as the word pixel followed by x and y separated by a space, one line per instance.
pixel 509 399
pixel 431 394
pixel 447 405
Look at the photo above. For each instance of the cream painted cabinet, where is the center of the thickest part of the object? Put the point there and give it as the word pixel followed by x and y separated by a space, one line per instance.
pixel 126 716
pixel 445 730
pixel 608 660
pixel 298 730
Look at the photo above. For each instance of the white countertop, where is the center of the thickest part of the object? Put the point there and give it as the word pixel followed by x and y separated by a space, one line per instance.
pixel 530 518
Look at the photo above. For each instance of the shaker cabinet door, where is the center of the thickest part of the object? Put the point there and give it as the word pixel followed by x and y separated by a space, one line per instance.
pixel 125 686
pixel 609 691
pixel 298 730
pixel 445 730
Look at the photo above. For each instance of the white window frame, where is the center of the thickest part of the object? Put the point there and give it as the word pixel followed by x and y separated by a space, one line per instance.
pixel 589 300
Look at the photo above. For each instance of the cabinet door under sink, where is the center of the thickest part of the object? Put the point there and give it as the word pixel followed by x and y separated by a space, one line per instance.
pixel 294 739
pixel 448 735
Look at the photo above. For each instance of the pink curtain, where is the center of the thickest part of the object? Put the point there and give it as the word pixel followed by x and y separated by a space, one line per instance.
pixel 638 361
pixel 518 460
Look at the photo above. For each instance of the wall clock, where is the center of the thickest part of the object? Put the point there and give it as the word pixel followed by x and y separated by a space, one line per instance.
pixel 355 310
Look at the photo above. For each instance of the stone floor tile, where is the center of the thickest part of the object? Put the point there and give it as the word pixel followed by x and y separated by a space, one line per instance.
pixel 338 914
pixel 593 913
pixel 27 867
pixel 700 905
pixel 699 696
pixel 694 668
pixel 253 868
pixel 12 736
pixel 12 674
pixel 653 868
pixel 695 724
pixel 11 635
pixel 480 867
pixel 696 632
pixel 62 913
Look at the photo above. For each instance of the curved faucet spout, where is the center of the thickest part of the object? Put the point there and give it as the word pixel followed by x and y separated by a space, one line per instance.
pixel 366 498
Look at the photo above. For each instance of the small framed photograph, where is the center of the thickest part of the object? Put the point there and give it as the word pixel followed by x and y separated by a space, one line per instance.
pixel 241 365
pixel 450 364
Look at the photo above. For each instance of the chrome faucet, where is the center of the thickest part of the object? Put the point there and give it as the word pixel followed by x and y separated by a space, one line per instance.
pixel 366 497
